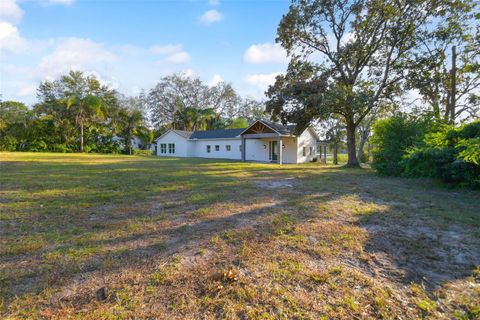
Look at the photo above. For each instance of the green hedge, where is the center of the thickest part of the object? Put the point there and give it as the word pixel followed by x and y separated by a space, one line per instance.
pixel 143 152
pixel 391 139
pixel 450 154
pixel 405 146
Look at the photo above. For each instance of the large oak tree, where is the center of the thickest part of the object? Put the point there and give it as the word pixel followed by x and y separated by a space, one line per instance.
pixel 356 50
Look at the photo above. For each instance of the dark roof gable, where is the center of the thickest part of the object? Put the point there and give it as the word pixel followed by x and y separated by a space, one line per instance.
pixel 216 134
pixel 233 133
pixel 277 127
pixel 185 134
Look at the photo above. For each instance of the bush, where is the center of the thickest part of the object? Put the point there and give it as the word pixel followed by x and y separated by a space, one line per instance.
pixel 143 152
pixel 450 154
pixel 392 138
pixel 87 148
pixel 61 147
pixel 8 143
pixel 38 146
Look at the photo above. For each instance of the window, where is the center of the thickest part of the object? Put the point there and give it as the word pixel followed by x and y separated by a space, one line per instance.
pixel 304 151
pixel 217 148
pixel 228 147
pixel 240 148
pixel 171 148
pixel 209 148
pixel 311 151
pixel 163 148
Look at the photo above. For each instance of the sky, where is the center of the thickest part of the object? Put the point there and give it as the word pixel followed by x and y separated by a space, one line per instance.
pixel 131 45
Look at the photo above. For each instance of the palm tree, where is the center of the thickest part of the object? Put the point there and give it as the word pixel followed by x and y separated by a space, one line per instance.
pixel 84 109
pixel 132 124
pixel 209 119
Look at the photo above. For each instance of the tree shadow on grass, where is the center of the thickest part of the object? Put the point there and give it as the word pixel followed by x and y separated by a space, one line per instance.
pixel 421 251
pixel 394 234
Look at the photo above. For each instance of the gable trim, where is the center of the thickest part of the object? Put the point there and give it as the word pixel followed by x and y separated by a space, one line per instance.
pixel 266 125
pixel 313 132
pixel 171 130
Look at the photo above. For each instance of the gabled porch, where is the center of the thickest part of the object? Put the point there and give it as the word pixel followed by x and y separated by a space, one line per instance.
pixel 264 143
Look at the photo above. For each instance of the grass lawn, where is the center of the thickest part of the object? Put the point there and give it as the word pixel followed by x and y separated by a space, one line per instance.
pixel 205 239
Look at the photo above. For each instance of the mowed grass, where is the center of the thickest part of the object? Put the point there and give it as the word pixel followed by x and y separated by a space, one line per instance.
pixel 209 239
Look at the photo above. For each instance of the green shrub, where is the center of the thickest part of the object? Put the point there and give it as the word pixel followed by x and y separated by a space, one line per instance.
pixel 450 154
pixel 89 148
pixel 392 138
pixel 143 152
pixel 8 143
pixel 38 146
pixel 471 150
pixel 61 147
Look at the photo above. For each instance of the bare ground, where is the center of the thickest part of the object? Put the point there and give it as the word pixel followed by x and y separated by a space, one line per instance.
pixel 271 242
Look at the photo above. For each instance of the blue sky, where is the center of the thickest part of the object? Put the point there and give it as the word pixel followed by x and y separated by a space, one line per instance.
pixel 131 44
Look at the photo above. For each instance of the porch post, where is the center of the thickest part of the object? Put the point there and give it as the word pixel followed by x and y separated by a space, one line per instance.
pixel 243 149
pixel 280 150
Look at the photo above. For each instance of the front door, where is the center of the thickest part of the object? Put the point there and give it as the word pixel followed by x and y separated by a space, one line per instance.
pixel 273 150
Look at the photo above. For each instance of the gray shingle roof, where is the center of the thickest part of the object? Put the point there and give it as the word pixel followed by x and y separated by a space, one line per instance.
pixel 185 134
pixel 216 134
pixel 232 133
pixel 284 130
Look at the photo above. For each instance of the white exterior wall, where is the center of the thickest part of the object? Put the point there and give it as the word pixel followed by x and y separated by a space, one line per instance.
pixel 182 146
pixel 307 140
pixel 200 149
pixel 136 142
pixel 257 150
pixel 290 151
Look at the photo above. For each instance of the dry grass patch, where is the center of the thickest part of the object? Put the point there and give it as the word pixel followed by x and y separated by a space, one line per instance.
pixel 208 239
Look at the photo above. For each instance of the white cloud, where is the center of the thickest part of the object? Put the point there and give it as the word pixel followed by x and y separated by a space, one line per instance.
pixel 10 39
pixel 11 69
pixel 211 16
pixel 173 53
pixel 216 79
pixel 27 89
pixel 265 53
pixel 166 49
pixel 128 49
pixel 61 2
pixel 73 54
pixel 189 73
pixel 262 81
pixel 10 11
pixel 178 58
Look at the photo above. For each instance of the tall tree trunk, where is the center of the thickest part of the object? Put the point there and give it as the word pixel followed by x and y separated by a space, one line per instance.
pixel 453 95
pixel 81 136
pixel 129 142
pixel 352 152
pixel 335 153
pixel 363 139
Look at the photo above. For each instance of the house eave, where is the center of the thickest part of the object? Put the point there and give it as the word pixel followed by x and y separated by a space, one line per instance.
pixel 202 139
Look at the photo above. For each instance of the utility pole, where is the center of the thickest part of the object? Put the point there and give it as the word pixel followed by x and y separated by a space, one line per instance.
pixel 453 95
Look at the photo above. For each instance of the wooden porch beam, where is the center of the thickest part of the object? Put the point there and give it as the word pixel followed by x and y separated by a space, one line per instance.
pixel 280 150
pixel 260 135
pixel 243 148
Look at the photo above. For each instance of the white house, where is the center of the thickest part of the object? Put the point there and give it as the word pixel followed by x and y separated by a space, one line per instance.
pixel 259 142
pixel 137 143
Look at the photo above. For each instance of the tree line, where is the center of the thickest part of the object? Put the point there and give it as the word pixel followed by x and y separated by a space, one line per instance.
pixel 355 66
pixel 77 113
pixel 408 69
pixel 355 61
